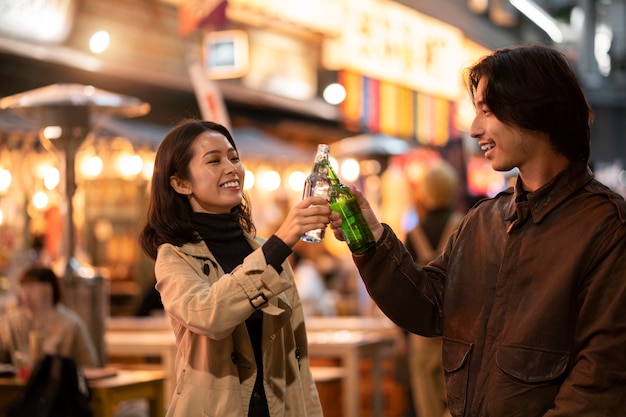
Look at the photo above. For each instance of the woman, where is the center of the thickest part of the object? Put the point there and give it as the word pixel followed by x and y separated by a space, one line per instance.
pixel 230 296
pixel 43 325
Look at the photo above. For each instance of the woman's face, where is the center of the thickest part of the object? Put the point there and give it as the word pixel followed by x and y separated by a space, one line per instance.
pixel 216 175
pixel 35 296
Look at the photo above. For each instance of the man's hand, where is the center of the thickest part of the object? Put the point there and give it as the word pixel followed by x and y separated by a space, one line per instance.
pixel 368 213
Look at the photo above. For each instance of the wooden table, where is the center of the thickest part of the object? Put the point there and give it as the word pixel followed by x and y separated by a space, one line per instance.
pixel 349 339
pixel 328 381
pixel 143 337
pixel 107 392
pixel 10 390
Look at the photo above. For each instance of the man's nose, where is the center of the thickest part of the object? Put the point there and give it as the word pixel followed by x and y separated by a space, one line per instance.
pixel 476 129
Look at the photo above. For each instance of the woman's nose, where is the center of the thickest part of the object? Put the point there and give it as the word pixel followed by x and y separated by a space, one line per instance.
pixel 230 166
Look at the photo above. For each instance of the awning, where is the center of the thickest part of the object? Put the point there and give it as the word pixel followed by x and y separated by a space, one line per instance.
pixel 369 144
pixel 252 142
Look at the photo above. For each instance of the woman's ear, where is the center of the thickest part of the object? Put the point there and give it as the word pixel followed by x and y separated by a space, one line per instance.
pixel 180 185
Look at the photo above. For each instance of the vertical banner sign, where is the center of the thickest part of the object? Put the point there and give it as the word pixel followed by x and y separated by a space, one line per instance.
pixel 352 106
pixel 208 94
pixel 371 102
pixel 194 14
pixel 389 105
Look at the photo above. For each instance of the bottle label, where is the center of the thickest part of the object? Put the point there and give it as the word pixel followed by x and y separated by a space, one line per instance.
pixel 346 207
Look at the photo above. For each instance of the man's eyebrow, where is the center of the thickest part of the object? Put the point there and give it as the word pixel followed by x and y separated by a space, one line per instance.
pixel 480 103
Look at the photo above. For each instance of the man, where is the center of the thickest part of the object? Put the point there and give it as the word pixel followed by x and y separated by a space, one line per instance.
pixel 530 292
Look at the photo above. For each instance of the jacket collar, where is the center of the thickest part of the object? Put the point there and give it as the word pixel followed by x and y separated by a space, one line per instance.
pixel 546 198
pixel 541 202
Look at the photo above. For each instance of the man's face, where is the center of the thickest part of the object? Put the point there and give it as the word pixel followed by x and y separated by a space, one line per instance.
pixel 505 146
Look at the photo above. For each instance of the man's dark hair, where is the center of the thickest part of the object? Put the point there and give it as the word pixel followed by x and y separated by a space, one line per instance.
pixel 534 87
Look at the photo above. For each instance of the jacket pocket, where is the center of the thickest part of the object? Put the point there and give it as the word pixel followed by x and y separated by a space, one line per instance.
pixel 456 357
pixel 528 381
pixel 531 365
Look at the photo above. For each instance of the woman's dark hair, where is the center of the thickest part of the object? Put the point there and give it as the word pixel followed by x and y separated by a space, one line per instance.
pixel 43 274
pixel 533 87
pixel 169 213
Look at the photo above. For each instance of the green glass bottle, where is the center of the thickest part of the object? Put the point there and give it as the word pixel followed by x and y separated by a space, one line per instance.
pixel 355 229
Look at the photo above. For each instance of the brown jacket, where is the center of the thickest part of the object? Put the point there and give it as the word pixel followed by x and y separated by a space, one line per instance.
pixel 215 366
pixel 530 298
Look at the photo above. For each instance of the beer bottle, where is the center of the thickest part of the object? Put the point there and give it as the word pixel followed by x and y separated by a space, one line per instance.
pixel 355 229
pixel 318 184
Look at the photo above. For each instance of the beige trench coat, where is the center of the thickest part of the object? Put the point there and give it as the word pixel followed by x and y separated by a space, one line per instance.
pixel 215 366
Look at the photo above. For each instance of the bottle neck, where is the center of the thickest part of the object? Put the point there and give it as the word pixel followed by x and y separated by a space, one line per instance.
pixel 332 175
pixel 321 166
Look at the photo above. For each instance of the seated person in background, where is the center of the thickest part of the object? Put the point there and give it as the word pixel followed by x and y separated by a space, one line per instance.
pixel 41 316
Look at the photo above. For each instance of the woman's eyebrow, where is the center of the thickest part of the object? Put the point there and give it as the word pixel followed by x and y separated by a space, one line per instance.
pixel 211 152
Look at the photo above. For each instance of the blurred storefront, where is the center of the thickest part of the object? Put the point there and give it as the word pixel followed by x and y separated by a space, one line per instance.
pixel 263 64
pixel 263 68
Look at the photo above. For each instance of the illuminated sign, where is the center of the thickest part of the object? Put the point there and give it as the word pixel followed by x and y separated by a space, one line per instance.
pixel 394 43
pixel 225 54
pixel 48 21
pixel 377 38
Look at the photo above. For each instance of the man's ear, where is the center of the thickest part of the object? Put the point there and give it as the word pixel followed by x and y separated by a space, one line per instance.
pixel 179 185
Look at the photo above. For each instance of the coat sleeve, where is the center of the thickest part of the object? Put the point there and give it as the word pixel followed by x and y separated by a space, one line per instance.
pixel 213 307
pixel 411 296
pixel 596 382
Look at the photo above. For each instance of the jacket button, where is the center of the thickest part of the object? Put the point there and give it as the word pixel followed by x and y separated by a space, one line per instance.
pixel 233 357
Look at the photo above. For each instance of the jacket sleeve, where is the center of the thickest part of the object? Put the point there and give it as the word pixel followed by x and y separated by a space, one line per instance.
pixel 411 296
pixel 213 309
pixel 596 382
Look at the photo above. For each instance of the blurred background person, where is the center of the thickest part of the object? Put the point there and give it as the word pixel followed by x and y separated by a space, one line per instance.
pixel 314 267
pixel 434 204
pixel 40 323
pixel 150 303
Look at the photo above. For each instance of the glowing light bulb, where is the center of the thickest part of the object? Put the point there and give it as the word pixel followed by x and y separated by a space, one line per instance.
pixel 248 181
pixel 296 180
pixel 40 200
pixel 334 93
pixel 5 180
pixel 99 42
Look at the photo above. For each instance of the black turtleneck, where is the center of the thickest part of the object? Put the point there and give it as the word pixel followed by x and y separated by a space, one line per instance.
pixel 224 236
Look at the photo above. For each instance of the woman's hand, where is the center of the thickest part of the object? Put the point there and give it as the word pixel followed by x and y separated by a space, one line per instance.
pixel 368 213
pixel 309 214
